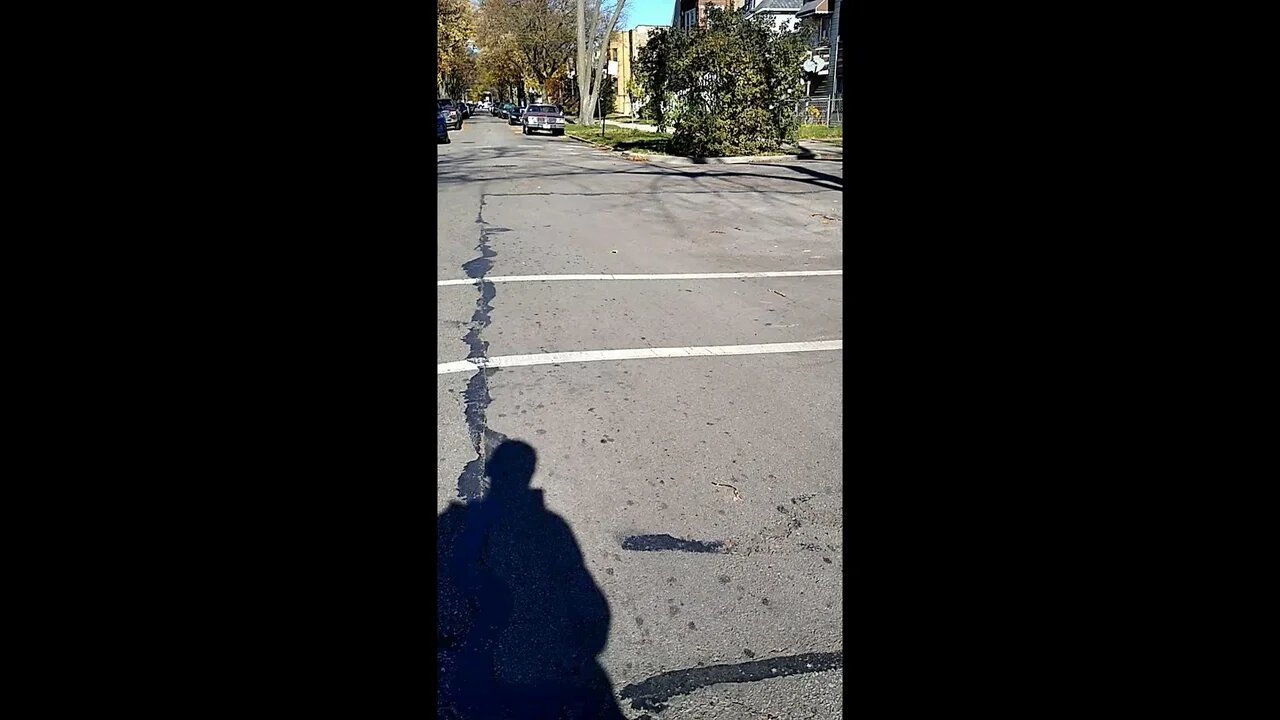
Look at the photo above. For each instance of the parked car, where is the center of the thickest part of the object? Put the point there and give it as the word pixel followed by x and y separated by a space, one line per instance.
pixel 513 117
pixel 465 109
pixel 442 128
pixel 507 109
pixel 452 115
pixel 542 117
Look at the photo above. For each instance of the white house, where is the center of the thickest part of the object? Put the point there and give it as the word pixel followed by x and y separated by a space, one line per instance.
pixel 783 12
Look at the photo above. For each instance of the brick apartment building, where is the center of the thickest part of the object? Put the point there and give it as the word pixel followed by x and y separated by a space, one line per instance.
pixel 623 47
pixel 688 13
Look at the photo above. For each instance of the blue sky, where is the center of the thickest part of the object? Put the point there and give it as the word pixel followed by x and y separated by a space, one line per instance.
pixel 647 12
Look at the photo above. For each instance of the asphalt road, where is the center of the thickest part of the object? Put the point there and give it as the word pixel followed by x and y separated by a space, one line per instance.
pixel 683 525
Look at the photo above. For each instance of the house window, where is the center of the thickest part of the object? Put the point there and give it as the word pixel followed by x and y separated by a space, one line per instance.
pixel 690 18
pixel 824 29
pixel 613 54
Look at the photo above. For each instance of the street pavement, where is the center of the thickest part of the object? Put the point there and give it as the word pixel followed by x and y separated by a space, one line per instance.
pixel 679 551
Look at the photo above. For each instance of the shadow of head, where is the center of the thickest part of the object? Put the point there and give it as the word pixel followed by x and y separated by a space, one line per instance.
pixel 510 469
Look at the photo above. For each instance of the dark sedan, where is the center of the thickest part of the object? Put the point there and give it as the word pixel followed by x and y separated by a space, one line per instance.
pixel 442 128
pixel 513 117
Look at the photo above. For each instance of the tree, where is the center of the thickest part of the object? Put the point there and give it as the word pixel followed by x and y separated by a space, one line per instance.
pixel 501 67
pixel 728 87
pixel 538 34
pixel 594 32
pixel 462 74
pixel 653 69
pixel 558 88
pixel 455 23
pixel 608 95
pixel 634 91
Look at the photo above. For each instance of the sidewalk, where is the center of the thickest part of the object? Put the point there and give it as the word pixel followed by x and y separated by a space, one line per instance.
pixel 823 150
pixel 637 126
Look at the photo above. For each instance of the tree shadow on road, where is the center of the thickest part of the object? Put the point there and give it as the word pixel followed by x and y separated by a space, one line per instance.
pixel 837 182
pixel 658 145
pixel 520 619
pixel 505 163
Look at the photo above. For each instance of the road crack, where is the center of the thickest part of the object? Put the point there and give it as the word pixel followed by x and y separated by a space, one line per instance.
pixel 471 484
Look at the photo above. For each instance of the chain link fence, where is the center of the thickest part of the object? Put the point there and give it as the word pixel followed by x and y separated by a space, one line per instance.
pixel 821 111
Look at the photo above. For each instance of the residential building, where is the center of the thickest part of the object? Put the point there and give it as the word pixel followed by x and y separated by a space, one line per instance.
pixel 623 48
pixel 820 14
pixel 824 84
pixel 688 13
pixel 782 12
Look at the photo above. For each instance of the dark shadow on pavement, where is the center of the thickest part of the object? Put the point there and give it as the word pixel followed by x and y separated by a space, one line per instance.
pixel 837 180
pixel 649 144
pixel 520 621
pixel 820 180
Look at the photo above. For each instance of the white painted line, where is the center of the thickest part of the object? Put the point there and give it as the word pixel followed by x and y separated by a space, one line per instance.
pixel 664 276
pixel 635 354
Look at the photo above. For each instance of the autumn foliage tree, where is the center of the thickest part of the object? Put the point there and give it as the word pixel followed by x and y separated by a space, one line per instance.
pixel 536 34
pixel 462 74
pixel 500 67
pixel 455 25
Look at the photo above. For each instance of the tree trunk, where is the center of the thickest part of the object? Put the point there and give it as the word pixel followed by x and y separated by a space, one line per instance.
pixel 581 66
pixel 589 98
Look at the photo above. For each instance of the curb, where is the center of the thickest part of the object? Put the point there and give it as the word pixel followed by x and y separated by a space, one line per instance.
pixel 588 142
pixel 731 160
pixel 623 154
pixel 807 155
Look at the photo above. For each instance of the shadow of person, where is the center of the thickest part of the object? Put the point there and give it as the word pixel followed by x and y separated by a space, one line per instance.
pixel 520 619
